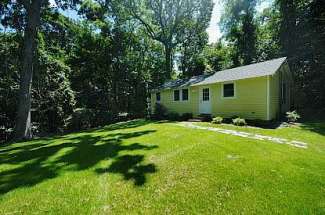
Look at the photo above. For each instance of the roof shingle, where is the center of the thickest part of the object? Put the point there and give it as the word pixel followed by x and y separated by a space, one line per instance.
pixel 249 71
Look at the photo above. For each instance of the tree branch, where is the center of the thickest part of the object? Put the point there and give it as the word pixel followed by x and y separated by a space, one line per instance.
pixel 149 29
pixel 26 4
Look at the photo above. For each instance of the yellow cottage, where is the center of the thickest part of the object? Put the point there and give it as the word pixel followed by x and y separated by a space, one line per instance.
pixel 256 91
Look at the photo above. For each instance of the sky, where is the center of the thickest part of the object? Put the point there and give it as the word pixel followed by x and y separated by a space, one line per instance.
pixel 214 30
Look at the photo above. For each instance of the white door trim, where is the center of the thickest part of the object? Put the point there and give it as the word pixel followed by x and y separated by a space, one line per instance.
pixel 204 106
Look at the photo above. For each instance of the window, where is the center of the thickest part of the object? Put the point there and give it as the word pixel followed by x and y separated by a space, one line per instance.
pixel 228 90
pixel 205 95
pixel 184 94
pixel 176 95
pixel 284 93
pixel 158 97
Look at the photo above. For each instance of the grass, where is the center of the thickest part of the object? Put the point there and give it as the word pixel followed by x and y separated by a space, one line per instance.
pixel 143 167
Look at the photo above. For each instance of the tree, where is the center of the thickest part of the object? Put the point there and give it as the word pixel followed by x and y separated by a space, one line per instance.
pixel 248 38
pixel 301 30
pixel 9 79
pixel 268 42
pixel 217 56
pixel 23 129
pixel 165 20
pixel 114 60
pixel 193 40
pixel 30 22
pixel 239 26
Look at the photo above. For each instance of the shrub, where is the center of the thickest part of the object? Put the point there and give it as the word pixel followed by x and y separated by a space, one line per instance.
pixel 80 119
pixel 239 121
pixel 261 123
pixel 84 118
pixel 56 101
pixel 173 116
pixel 186 116
pixel 160 111
pixel 227 120
pixel 292 116
pixel 217 120
pixel 206 117
pixel 103 118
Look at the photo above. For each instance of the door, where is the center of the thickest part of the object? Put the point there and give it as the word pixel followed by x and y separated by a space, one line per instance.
pixel 205 101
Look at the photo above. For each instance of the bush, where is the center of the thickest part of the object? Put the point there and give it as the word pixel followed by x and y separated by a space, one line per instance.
pixel 85 118
pixel 206 117
pixel 173 116
pixel 103 118
pixel 292 116
pixel 217 120
pixel 186 116
pixel 261 123
pixel 160 111
pixel 239 121
pixel 56 101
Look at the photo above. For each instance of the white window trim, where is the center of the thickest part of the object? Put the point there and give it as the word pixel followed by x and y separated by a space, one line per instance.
pixel 201 92
pixel 284 92
pixel 180 93
pixel 235 90
pixel 188 94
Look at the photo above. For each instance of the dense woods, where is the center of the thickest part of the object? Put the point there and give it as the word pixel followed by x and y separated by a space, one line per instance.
pixel 60 73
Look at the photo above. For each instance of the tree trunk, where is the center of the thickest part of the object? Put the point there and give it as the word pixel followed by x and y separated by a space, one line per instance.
pixel 168 61
pixel 23 122
pixel 288 36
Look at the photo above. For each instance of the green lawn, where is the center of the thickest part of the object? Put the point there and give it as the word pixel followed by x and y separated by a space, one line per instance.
pixel 144 167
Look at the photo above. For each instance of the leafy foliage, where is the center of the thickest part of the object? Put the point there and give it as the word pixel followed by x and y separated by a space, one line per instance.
pixel 160 111
pixel 173 22
pixel 239 121
pixel 53 98
pixel 105 62
pixel 292 116
pixel 186 116
pixel 217 120
pixel 173 116
pixel 85 118
pixel 239 26
pixel 217 57
pixel 9 78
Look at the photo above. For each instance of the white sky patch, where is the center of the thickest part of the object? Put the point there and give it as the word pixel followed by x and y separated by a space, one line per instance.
pixel 52 3
pixel 213 30
pixel 264 4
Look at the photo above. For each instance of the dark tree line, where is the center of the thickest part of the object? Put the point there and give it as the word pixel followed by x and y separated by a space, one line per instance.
pixel 59 74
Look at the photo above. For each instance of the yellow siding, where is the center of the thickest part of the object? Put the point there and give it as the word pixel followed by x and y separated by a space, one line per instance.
pixel 167 99
pixel 283 75
pixel 250 100
pixel 274 95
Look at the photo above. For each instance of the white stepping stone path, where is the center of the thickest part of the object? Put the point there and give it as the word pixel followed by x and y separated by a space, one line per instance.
pixel 246 134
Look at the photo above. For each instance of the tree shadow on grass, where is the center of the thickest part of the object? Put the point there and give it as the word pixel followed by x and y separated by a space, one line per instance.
pixel 28 164
pixel 317 127
pixel 126 125
pixel 130 167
